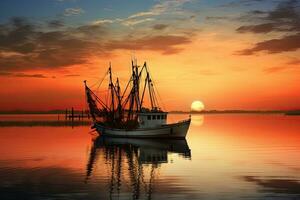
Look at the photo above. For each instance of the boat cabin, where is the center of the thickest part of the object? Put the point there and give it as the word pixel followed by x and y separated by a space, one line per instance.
pixel 152 119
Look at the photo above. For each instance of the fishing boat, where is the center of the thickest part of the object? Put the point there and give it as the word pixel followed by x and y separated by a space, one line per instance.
pixel 135 111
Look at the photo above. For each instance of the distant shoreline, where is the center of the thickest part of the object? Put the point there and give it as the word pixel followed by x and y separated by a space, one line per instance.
pixel 231 112
pixel 58 112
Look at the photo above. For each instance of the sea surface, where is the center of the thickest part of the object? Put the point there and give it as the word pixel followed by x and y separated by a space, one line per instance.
pixel 236 156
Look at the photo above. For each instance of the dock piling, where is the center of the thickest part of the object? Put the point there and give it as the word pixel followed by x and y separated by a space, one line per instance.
pixel 73 114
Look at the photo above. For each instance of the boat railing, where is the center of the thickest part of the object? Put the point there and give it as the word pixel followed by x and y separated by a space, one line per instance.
pixel 185 120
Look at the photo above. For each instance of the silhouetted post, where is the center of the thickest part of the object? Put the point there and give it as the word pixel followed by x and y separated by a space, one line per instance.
pixel 88 114
pixel 72 114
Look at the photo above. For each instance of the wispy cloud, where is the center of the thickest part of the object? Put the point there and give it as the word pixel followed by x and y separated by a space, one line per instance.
pixel 157 9
pixel 143 14
pixel 295 61
pixel 22 75
pixel 72 75
pixel 132 22
pixel 167 6
pixel 125 21
pixel 164 7
pixel 103 21
pixel 73 11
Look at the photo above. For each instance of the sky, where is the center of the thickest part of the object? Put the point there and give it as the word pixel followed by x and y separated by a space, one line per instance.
pixel 229 54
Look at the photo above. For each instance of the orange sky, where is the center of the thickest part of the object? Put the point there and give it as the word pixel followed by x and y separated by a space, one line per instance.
pixel 216 56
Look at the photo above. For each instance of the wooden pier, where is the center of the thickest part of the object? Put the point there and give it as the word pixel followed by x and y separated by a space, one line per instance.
pixel 80 115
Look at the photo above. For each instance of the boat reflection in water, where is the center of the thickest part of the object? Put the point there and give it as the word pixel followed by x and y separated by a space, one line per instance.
pixel 133 164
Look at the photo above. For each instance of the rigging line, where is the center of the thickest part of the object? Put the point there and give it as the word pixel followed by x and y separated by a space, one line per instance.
pixel 92 77
pixel 155 98
pixel 159 96
pixel 128 96
pixel 145 84
pixel 160 99
pixel 126 88
pixel 97 98
pixel 106 97
pixel 162 102
pixel 149 90
pixel 127 99
pixel 101 81
pixel 152 84
pixel 99 101
pixel 96 83
pixel 86 102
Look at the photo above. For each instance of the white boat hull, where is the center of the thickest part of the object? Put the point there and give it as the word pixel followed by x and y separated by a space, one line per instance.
pixel 176 130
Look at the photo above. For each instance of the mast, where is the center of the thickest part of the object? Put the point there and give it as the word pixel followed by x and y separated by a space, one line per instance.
pixel 131 94
pixel 118 91
pixel 144 89
pixel 134 103
pixel 111 87
pixel 137 92
pixel 150 92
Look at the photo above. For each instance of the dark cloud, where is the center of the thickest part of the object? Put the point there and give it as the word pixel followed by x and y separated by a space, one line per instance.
pixel 26 46
pixel 22 75
pixel 284 18
pixel 214 18
pixel 160 26
pixel 257 12
pixel 91 30
pixel 287 43
pixel 17 36
pixel 260 28
pixel 242 3
pixel 30 75
pixel 286 10
pixel 56 23
pixel 167 44
pixel 286 186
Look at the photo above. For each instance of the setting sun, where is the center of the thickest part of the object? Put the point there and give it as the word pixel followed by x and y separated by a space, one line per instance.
pixel 197 106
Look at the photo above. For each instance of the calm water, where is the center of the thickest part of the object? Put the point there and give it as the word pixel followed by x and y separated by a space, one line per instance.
pixel 223 157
